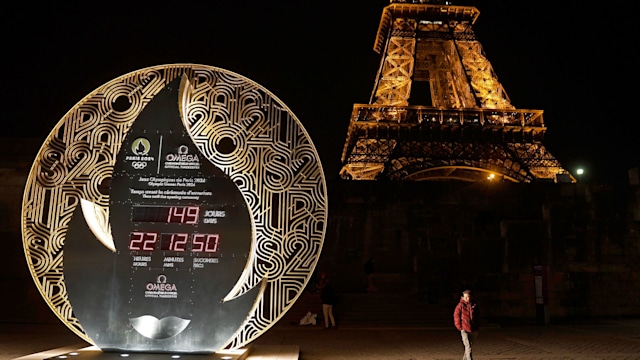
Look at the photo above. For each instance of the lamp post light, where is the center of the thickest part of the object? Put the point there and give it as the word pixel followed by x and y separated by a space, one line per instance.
pixel 580 175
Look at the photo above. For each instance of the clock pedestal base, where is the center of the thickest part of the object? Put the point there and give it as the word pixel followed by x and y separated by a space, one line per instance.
pixel 80 352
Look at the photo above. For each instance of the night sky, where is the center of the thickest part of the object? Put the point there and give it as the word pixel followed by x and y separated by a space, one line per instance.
pixel 571 59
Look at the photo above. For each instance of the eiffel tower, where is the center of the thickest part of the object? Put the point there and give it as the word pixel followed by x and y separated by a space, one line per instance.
pixel 438 111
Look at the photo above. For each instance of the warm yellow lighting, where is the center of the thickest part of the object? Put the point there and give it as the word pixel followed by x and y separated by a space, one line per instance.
pixel 232 353
pixel 491 176
pixel 98 221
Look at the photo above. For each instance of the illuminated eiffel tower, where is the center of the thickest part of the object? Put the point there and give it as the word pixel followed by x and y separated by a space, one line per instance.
pixel 437 111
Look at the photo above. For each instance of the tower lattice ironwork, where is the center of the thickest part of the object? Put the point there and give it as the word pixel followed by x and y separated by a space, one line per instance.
pixel 438 111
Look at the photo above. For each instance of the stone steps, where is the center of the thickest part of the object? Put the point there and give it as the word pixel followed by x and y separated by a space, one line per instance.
pixel 375 309
pixel 390 309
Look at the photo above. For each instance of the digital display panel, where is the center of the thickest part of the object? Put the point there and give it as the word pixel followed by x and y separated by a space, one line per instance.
pixel 176 242
pixel 166 214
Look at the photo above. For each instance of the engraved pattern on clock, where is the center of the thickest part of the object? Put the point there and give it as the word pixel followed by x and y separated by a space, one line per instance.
pixel 240 127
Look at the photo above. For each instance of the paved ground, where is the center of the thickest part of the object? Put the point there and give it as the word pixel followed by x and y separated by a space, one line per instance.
pixel 617 339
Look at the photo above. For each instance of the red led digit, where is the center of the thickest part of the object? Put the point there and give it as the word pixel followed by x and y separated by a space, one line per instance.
pixel 178 242
pixel 183 214
pixel 135 240
pixel 212 243
pixel 143 241
pixel 149 243
pixel 199 241
pixel 205 242
pixel 192 215
pixel 176 214
pixel 170 214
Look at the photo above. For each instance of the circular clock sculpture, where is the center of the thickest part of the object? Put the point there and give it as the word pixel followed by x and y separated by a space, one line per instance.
pixel 178 208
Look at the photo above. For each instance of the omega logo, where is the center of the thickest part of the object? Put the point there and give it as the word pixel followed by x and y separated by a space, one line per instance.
pixel 183 155
pixel 161 285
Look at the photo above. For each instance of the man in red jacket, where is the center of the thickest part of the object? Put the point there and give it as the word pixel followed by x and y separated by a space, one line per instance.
pixel 466 320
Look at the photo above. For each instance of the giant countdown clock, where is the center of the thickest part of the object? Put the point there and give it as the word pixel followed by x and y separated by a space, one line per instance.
pixel 178 208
